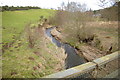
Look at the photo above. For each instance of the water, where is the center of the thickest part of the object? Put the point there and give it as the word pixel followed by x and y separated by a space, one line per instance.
pixel 73 59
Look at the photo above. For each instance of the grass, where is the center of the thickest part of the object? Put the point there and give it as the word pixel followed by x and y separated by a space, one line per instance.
pixel 107 33
pixel 16 63
pixel 21 61
pixel 15 21
pixel 78 28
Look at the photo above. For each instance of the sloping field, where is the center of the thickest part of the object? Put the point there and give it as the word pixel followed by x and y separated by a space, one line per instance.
pixel 13 22
pixel 19 59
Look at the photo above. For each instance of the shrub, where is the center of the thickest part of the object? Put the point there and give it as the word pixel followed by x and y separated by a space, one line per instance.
pixel 73 25
pixel 33 35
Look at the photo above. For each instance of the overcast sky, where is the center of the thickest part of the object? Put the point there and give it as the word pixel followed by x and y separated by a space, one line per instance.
pixel 93 4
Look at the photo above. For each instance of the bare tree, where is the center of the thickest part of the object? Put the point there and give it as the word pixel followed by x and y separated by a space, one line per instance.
pixel 82 7
pixel 63 5
pixel 106 3
pixel 74 6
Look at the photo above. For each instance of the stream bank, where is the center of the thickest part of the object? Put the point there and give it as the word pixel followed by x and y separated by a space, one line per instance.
pixel 72 59
pixel 85 51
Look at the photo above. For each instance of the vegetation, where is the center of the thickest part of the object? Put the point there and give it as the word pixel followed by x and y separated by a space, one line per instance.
pixel 22 61
pixel 79 27
pixel 14 22
pixel 27 53
pixel 12 8
pixel 110 13
pixel 73 24
pixel 105 13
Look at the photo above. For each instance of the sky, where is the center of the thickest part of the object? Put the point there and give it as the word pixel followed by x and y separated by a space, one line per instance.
pixel 93 4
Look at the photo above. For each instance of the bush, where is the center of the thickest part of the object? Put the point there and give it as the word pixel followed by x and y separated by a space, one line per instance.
pixel 33 35
pixel 73 25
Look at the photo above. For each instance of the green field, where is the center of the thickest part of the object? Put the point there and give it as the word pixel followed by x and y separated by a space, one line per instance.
pixel 19 60
pixel 15 21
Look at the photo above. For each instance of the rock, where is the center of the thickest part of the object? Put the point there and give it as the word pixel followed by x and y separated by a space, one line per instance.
pixel 56 34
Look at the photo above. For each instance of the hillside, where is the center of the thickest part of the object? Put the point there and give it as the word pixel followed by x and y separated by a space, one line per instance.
pixel 27 52
pixel 110 13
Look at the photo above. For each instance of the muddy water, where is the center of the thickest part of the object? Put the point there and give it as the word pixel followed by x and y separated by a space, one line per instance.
pixel 73 59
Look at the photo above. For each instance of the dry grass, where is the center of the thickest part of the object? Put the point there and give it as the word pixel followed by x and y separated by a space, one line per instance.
pixel 73 26
pixel 107 33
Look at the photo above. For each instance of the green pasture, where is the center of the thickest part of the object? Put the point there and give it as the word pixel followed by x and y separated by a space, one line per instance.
pixel 16 62
pixel 13 22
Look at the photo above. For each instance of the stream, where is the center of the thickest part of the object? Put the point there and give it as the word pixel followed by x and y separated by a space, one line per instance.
pixel 73 59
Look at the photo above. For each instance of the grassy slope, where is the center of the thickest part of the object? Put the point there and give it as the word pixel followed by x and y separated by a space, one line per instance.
pixel 15 21
pixel 20 61
pixel 45 60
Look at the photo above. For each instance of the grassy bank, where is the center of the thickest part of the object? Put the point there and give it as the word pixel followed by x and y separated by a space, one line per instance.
pixel 20 60
pixel 13 22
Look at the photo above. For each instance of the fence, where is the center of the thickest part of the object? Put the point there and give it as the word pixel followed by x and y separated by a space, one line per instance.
pixel 104 67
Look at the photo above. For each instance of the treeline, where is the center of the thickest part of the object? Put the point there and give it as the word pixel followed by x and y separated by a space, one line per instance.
pixel 111 13
pixel 12 8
